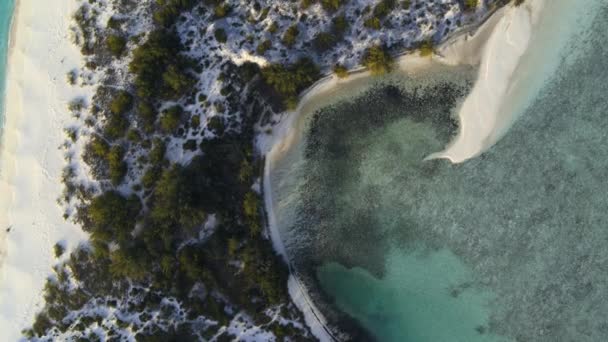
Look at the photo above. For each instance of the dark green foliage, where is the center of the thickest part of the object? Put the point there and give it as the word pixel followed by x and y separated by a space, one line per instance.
pixel 122 103
pixel 220 11
pixel 116 127
pixel 372 23
pixel 263 47
pixel 111 217
pixel 248 70
pixel 383 8
pixel 132 263
pixel 152 59
pixel 170 10
pixel 304 4
pixel 251 208
pixel 171 119
pixel 290 36
pixel 116 45
pixel 324 41
pixel 288 81
pixel 377 60
pixel 216 125
pixel 340 71
pixel 470 4
pixel 114 23
pixel 273 27
pixel 177 81
pixel 220 35
pixel 58 249
pixel 118 167
pixel 340 25
pixel 332 5
pixel 147 115
pixel 156 157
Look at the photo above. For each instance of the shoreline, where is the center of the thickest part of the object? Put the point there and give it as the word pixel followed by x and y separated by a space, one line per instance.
pixel 468 49
pixel 31 161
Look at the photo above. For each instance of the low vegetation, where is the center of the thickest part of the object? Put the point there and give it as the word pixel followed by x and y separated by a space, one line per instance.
pixel 377 60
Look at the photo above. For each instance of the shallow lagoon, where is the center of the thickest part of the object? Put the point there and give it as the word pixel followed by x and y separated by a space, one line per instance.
pixel 507 246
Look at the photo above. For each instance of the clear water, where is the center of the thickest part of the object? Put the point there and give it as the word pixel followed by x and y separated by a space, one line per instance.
pixel 6 11
pixel 510 246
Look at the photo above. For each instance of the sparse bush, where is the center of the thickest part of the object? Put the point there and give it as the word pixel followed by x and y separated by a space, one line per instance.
pixel 263 47
pixel 332 5
pixel 324 41
pixel 372 23
pixel 383 8
pixel 426 49
pixel 377 60
pixel 470 5
pixel 290 36
pixel 58 249
pixel 340 71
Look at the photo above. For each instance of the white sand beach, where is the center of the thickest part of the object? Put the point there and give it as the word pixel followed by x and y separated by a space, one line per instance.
pixel 31 161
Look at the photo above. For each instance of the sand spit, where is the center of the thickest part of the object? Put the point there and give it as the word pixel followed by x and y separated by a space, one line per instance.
pixel 498 47
pixel 31 162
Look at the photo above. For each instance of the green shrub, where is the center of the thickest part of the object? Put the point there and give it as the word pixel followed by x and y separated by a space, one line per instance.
pixel 116 45
pixel 122 103
pixel 147 114
pixel 289 80
pixel 470 5
pixel 118 167
pixel 220 35
pixel 339 25
pixel 372 23
pixel 340 71
pixel 426 49
pixel 274 27
pixel 304 4
pixel 324 41
pixel 216 125
pixel 332 5
pixel 177 81
pixel 111 216
pixel 221 11
pixel 263 47
pixel 377 60
pixel 290 36
pixel 58 249
pixel 115 127
pixel 383 8
pixel 171 119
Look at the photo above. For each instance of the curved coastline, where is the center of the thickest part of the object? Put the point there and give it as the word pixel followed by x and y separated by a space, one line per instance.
pixel 466 48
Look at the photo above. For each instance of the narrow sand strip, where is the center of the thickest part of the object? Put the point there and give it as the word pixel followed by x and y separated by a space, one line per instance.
pixel 31 162
pixel 498 47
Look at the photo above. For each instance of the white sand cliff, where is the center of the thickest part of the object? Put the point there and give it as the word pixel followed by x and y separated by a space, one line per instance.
pixel 31 162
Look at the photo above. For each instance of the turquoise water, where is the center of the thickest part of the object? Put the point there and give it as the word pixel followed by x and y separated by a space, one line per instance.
pixel 6 11
pixel 509 246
